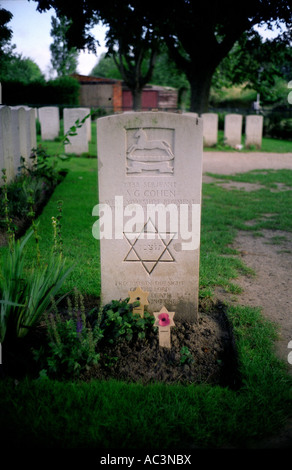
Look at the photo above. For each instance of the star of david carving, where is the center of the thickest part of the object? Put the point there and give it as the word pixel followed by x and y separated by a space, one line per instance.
pixel 149 247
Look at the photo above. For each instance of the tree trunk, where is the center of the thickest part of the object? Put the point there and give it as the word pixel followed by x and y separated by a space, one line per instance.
pixel 200 82
pixel 137 99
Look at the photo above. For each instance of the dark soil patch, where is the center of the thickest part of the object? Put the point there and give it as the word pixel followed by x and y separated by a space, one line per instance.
pixel 210 355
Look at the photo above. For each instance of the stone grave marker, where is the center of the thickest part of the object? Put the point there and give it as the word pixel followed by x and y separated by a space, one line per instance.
pixel 6 147
pixel 254 130
pixel 210 129
pixel 88 123
pixel 164 321
pixel 150 178
pixel 233 129
pixel 49 121
pixel 30 129
pixel 138 295
pixel 19 136
pixel 78 143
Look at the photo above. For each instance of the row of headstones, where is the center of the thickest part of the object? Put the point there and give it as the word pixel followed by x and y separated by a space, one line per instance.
pixel 17 138
pixel 49 119
pixel 233 124
pixel 50 125
pixel 18 135
pixel 18 131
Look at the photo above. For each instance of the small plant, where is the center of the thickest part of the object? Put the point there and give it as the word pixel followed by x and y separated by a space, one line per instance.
pixel 119 322
pixel 7 218
pixel 186 356
pixel 72 342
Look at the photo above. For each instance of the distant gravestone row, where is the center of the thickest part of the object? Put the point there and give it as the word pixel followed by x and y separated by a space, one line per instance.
pixel 233 130
pixel 50 127
pixel 17 137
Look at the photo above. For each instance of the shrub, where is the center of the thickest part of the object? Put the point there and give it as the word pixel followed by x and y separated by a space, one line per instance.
pixel 26 294
pixel 72 344
pixel 118 321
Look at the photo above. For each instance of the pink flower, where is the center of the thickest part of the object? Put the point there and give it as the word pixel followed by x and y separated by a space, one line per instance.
pixel 164 319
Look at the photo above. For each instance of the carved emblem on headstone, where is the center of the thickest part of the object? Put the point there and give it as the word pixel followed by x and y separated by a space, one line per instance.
pixel 149 154
pixel 150 250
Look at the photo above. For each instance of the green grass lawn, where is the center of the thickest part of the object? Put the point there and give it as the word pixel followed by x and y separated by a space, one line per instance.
pixel 108 415
pixel 268 145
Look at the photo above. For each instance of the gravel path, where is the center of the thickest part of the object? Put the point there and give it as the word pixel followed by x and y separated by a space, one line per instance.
pixel 229 163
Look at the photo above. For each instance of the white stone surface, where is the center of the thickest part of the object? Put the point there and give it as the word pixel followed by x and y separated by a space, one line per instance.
pixel 254 130
pixel 146 159
pixel 19 136
pixel 210 129
pixel 6 148
pixel 88 123
pixel 49 121
pixel 233 129
pixel 78 143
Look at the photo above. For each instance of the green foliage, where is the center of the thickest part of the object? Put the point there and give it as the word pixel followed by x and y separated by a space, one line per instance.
pixel 77 339
pixel 61 91
pixel 22 69
pixel 278 126
pixel 118 321
pixel 5 31
pixel 72 342
pixel 106 68
pixel 26 294
pixel 64 58
pixel 186 356
pixel 27 192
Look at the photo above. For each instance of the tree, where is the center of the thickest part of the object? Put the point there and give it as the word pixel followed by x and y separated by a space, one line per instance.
pixel 198 34
pixel 5 31
pixel 132 47
pixel 64 58
pixel 14 67
pixel 106 67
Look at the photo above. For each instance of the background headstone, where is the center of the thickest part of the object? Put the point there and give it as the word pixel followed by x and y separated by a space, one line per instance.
pixel 19 136
pixel 49 121
pixel 233 129
pixel 151 158
pixel 6 148
pixel 78 143
pixel 254 130
pixel 88 123
pixel 210 129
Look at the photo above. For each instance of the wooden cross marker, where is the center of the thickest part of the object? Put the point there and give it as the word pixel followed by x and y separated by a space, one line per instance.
pixel 164 321
pixel 140 296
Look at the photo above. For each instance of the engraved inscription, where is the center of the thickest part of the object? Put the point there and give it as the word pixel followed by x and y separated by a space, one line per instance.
pixel 146 154
pixel 151 250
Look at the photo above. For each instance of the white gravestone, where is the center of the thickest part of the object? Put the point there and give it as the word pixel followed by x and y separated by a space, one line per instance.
pixel 6 147
pixel 210 129
pixel 253 131
pixel 19 136
pixel 233 129
pixel 31 134
pixel 31 139
pixel 49 121
pixel 78 143
pixel 150 178
pixel 88 123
